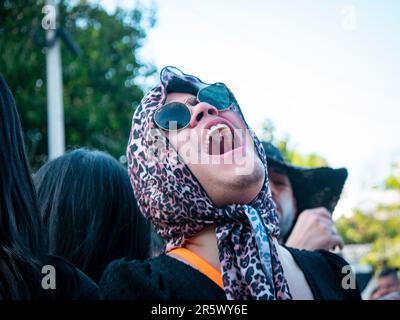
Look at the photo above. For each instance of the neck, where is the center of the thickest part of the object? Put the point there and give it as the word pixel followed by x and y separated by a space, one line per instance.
pixel 205 245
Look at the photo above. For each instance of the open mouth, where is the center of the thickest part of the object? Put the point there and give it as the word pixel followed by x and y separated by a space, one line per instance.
pixel 221 138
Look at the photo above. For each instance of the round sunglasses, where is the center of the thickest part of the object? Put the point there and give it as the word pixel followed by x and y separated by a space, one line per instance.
pixel 179 114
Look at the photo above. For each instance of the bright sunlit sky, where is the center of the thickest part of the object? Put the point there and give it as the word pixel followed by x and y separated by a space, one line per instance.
pixel 327 73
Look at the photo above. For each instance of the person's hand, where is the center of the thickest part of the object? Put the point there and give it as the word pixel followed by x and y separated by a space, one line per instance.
pixel 314 230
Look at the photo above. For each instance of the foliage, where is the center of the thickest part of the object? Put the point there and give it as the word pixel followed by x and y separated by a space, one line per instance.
pixel 380 228
pixel 100 85
pixel 367 228
pixel 288 150
pixel 393 181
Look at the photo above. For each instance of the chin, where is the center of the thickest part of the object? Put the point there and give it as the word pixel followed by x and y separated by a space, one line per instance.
pixel 249 177
pixel 241 188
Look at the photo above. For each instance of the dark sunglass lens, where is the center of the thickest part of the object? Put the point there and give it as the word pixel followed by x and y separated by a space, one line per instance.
pixel 217 95
pixel 172 116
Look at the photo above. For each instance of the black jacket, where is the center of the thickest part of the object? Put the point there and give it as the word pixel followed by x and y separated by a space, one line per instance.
pixel 165 278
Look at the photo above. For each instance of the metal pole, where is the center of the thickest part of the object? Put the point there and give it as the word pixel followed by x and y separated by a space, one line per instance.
pixel 55 108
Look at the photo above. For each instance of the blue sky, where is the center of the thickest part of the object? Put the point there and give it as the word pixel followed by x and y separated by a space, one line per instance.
pixel 327 73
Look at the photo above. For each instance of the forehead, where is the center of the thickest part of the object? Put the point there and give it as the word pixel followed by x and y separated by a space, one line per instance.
pixel 388 278
pixel 178 96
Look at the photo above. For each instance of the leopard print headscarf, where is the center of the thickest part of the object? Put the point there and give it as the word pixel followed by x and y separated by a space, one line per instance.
pixel 172 198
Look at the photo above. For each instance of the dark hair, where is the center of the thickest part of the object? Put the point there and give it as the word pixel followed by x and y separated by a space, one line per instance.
pixel 392 272
pixel 89 211
pixel 21 241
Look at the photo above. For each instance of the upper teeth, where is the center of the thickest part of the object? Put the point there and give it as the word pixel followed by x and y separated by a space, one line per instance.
pixel 223 131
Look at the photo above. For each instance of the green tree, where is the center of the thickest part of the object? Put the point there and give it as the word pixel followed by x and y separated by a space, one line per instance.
pixel 381 229
pixel 288 150
pixel 368 228
pixel 393 181
pixel 100 85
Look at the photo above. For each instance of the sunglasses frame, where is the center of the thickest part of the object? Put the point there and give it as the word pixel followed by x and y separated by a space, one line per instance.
pixel 190 110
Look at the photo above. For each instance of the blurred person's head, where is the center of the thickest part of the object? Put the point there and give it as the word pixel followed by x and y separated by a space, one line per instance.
pixel 21 236
pixel 89 211
pixel 196 167
pixel 282 193
pixel 387 282
pixel 295 189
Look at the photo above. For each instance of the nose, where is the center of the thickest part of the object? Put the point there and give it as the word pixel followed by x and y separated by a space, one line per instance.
pixel 200 110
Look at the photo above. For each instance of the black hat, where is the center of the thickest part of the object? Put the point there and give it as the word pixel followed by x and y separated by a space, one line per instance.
pixel 312 187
